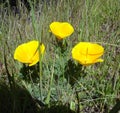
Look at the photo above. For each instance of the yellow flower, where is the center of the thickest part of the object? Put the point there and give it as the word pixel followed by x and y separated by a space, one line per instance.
pixel 87 53
pixel 29 52
pixel 61 29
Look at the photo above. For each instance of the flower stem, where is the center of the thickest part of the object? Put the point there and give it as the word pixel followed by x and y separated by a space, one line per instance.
pixel 41 94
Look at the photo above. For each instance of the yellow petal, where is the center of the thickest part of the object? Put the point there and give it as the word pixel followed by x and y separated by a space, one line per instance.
pixel 87 53
pixel 89 48
pixel 90 62
pixel 29 52
pixel 61 29
pixel 22 53
pixel 36 58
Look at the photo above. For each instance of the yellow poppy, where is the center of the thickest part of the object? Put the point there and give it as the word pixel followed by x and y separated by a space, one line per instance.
pixel 61 29
pixel 87 53
pixel 29 52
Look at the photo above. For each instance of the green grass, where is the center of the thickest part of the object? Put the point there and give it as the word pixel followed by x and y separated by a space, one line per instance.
pixel 66 86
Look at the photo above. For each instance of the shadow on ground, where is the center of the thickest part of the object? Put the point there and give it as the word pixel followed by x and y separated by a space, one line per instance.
pixel 30 72
pixel 73 72
pixel 18 100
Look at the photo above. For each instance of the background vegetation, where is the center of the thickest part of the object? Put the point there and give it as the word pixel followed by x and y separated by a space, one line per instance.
pixel 66 86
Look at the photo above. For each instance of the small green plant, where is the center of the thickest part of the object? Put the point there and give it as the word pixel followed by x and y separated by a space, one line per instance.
pixel 57 83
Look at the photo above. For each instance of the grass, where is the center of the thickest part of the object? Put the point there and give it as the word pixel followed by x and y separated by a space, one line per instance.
pixel 66 86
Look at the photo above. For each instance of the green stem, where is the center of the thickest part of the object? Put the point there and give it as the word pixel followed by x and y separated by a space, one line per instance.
pixel 41 94
pixel 49 92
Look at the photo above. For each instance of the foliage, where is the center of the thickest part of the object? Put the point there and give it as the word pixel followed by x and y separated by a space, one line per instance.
pixel 57 81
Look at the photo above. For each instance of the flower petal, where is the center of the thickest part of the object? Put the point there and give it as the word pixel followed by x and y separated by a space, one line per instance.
pixel 87 53
pixel 61 29
pixel 36 58
pixel 22 53
pixel 29 52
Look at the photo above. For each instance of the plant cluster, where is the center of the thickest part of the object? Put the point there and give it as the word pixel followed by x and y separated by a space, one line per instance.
pixel 61 57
